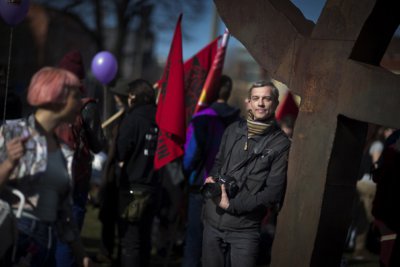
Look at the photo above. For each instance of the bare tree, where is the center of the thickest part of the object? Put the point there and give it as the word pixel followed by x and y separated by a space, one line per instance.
pixel 143 18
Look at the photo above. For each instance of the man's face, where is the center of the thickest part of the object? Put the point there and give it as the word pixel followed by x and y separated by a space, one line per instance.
pixel 262 103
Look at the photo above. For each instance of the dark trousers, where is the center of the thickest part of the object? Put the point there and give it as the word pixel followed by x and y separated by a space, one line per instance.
pixel 194 232
pixel 135 241
pixel 36 243
pixel 229 248
pixel 108 216
pixel 63 255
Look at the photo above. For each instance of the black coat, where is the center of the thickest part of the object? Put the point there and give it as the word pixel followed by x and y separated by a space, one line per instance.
pixel 262 179
pixel 136 146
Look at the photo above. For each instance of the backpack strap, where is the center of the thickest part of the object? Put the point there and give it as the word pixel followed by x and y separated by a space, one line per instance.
pixel 259 148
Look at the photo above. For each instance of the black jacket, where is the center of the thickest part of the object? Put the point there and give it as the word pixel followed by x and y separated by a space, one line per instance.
pixel 136 145
pixel 262 179
pixel 92 125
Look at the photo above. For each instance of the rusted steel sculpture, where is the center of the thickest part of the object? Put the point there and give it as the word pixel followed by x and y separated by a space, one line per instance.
pixel 334 66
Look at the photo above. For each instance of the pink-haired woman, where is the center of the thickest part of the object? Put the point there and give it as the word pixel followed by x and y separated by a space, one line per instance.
pixel 32 162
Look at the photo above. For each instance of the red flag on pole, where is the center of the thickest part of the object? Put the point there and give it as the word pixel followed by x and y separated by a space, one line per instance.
pixel 209 93
pixel 287 107
pixel 170 115
pixel 196 70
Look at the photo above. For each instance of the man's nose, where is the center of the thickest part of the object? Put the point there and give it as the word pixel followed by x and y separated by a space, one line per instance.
pixel 260 102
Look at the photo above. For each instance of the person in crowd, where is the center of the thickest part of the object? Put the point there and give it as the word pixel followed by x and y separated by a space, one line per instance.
pixel 287 125
pixel 108 195
pixel 366 187
pixel 385 209
pixel 138 181
pixel 202 143
pixel 32 162
pixel 248 176
pixel 169 225
pixel 81 138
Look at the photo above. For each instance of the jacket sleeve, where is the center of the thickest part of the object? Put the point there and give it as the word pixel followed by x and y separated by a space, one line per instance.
pixel 92 126
pixel 195 145
pixel 272 194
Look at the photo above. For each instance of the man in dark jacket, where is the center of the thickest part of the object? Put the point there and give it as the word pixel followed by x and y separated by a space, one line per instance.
pixel 108 193
pixel 202 142
pixel 136 145
pixel 253 155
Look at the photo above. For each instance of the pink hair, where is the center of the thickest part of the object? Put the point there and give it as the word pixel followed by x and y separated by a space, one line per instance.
pixel 50 86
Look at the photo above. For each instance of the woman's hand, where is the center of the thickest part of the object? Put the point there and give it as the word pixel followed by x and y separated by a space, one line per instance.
pixel 15 150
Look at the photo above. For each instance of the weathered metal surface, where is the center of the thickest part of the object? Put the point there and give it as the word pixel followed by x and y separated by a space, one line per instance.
pixel 332 66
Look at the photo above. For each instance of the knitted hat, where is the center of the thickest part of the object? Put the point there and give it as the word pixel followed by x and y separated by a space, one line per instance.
pixel 72 61
pixel 122 88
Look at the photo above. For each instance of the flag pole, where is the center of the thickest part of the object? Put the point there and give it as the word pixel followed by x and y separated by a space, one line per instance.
pixel 8 74
pixel 213 75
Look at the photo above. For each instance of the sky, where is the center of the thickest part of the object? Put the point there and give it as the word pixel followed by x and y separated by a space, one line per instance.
pixel 203 28
pixel 311 9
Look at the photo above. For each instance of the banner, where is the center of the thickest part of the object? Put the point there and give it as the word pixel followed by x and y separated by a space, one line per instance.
pixel 196 70
pixel 170 115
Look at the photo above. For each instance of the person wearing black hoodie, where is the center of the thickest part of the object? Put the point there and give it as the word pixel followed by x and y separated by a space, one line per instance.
pixel 138 182
pixel 202 143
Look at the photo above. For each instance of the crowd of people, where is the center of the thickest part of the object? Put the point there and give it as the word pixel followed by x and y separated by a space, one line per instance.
pixel 233 169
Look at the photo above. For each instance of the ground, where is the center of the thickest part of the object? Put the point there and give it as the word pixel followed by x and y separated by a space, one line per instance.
pixel 91 240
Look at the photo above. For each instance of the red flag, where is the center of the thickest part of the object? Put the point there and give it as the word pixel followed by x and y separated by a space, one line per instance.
pixel 209 93
pixel 196 70
pixel 170 115
pixel 287 107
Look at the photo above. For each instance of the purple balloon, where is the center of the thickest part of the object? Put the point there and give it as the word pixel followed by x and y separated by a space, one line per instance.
pixel 104 67
pixel 13 11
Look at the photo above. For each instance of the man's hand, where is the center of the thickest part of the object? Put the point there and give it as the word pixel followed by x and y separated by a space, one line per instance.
pixel 209 179
pixel 224 202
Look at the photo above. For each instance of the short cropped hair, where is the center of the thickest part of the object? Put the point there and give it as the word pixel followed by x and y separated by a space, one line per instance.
pixel 275 91
pixel 50 86
pixel 143 91
pixel 225 87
